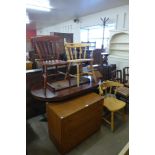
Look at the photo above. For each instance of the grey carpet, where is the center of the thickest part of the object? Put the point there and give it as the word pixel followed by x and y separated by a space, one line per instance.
pixel 103 142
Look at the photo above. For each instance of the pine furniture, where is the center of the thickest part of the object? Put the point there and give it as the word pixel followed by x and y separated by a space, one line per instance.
pixel 76 55
pixel 111 103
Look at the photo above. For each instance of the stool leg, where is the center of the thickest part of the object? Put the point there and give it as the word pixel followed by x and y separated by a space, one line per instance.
pixel 112 121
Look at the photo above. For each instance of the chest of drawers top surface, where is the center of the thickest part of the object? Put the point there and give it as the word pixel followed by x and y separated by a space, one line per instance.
pixel 68 107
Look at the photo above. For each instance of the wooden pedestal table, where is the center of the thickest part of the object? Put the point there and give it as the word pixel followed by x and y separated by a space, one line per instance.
pixel 73 120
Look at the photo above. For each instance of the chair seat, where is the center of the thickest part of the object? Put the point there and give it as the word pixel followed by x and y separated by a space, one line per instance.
pixel 55 63
pixel 113 104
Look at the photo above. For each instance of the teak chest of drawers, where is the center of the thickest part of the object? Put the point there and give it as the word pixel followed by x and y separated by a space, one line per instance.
pixel 71 121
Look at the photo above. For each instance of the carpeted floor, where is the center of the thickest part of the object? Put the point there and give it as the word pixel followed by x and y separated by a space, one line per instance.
pixel 103 142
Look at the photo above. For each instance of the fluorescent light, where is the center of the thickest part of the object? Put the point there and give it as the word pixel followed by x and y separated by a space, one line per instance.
pixel 27 22
pixel 38 8
pixel 27 19
pixel 42 5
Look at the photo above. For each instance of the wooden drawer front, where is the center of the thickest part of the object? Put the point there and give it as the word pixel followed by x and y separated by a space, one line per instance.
pixel 80 125
pixel 73 138
pixel 67 128
pixel 81 117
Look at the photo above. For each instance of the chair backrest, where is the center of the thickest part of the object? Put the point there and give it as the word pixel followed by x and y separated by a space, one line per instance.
pixel 125 74
pixel 76 50
pixel 116 75
pixel 97 56
pixel 92 45
pixel 107 87
pixel 48 47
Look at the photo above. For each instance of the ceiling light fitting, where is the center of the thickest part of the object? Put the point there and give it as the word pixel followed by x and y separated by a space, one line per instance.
pixel 27 19
pixel 38 5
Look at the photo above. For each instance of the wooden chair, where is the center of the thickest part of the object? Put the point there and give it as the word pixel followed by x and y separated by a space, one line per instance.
pixel 116 75
pixel 76 54
pixel 111 103
pixel 98 60
pixel 48 50
pixel 126 76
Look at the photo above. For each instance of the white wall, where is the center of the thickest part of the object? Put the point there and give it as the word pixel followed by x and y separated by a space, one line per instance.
pixel 118 15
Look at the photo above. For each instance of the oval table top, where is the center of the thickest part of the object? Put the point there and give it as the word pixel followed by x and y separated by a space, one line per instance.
pixel 37 92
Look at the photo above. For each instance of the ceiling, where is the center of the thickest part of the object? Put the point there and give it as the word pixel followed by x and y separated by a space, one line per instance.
pixel 69 9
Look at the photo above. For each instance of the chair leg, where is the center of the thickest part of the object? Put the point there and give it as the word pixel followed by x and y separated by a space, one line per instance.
pixel 45 78
pixel 67 71
pixel 112 121
pixel 92 70
pixel 78 75
pixel 67 75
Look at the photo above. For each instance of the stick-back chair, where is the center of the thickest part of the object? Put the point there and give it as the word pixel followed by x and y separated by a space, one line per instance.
pixel 48 50
pixel 110 102
pixel 76 54
pixel 116 75
pixel 126 76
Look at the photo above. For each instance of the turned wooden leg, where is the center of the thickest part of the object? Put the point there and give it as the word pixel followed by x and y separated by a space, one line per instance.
pixel 45 79
pixel 67 75
pixel 112 121
pixel 67 71
pixel 92 69
pixel 78 75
